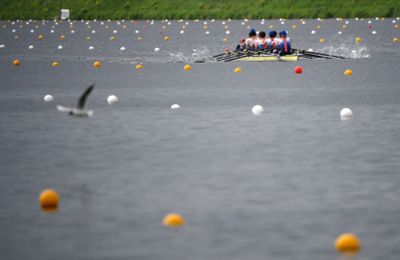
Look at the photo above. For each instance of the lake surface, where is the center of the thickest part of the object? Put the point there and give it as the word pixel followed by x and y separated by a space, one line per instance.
pixel 281 185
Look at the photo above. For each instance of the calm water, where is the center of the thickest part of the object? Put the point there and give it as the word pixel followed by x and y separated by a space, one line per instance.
pixel 282 185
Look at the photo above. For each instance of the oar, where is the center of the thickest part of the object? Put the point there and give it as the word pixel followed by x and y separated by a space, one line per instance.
pixel 226 55
pixel 241 55
pixel 328 55
pixel 305 56
pixel 323 55
pixel 314 55
pixel 250 53
pixel 221 54
pixel 317 56
pixel 234 55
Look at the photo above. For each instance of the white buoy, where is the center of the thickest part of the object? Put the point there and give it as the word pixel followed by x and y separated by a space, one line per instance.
pixel 115 31
pixel 60 47
pixel 339 32
pixel 137 31
pixel 48 98
pixel 112 99
pixel 2 46
pixel 91 48
pixel 122 48
pixel 313 32
pixel 373 32
pixel 72 31
pixel 156 49
pixel 93 31
pixel 182 32
pixel 175 106
pixel 228 32
pixel 257 110
pixel 51 31
pixel 346 113
pixel 207 32
pixel 310 49
pixel 30 47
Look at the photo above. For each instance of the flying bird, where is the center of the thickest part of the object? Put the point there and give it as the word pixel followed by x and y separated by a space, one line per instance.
pixel 79 110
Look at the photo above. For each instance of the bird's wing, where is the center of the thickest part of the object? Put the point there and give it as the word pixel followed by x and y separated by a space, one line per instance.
pixel 83 98
pixel 64 109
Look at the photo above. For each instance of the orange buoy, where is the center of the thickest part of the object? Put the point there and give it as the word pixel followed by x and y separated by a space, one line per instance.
pixel 16 62
pixel 187 67
pixel 298 70
pixel 139 66
pixel 97 64
pixel 237 70
pixel 358 39
pixel 55 64
pixel 49 199
pixel 348 72
pixel 173 220
pixel 347 243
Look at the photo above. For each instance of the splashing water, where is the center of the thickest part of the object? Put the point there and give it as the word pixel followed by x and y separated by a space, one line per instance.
pixel 354 52
pixel 199 55
pixel 346 47
pixel 178 57
pixel 202 55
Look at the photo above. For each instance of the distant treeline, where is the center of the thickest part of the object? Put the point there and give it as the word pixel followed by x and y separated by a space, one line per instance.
pixel 201 9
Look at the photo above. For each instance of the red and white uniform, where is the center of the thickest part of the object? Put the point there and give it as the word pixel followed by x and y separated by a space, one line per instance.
pixel 273 43
pixel 284 44
pixel 261 44
pixel 251 43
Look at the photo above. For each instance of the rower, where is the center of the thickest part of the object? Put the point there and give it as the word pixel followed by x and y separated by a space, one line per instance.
pixel 261 42
pixel 251 41
pixel 242 45
pixel 284 44
pixel 272 42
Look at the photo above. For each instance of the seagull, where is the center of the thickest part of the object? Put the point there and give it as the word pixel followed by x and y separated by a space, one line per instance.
pixel 79 110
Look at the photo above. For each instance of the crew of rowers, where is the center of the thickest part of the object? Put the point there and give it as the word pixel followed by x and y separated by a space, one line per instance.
pixel 281 45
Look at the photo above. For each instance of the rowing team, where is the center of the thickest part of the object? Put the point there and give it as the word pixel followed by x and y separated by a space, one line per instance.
pixel 281 45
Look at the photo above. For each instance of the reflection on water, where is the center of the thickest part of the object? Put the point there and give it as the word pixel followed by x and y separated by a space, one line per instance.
pixel 281 185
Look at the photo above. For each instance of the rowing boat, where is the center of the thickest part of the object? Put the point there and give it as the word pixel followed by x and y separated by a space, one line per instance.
pixel 270 58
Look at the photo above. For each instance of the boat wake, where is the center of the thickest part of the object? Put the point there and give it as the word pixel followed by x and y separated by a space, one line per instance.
pixel 198 55
pixel 353 52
